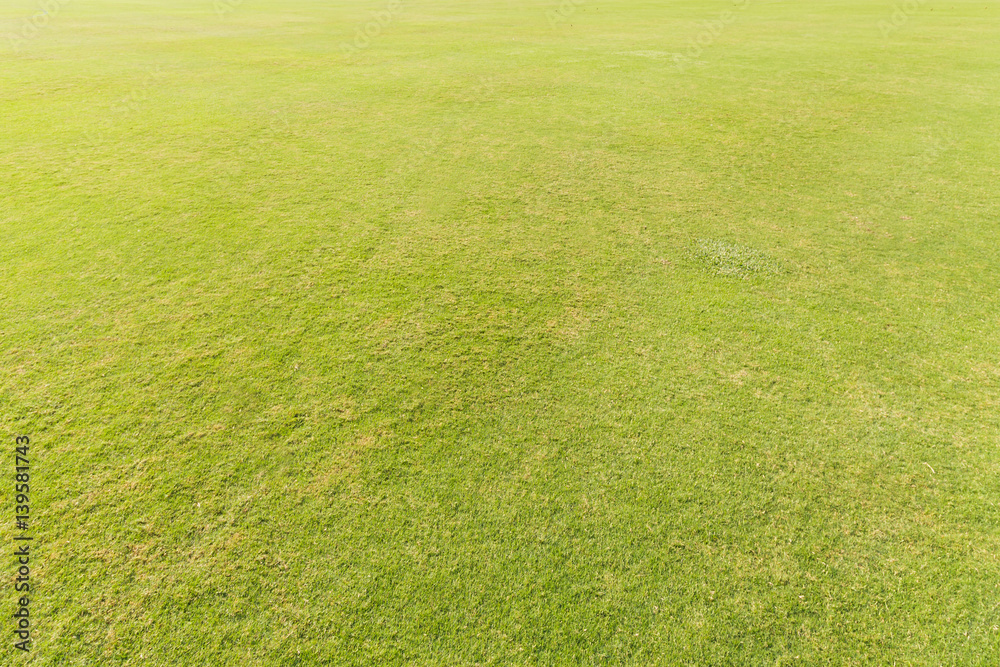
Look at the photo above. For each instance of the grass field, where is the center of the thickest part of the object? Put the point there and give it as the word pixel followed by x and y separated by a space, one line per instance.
pixel 493 332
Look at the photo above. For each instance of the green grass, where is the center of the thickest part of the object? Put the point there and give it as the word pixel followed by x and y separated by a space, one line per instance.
pixel 507 339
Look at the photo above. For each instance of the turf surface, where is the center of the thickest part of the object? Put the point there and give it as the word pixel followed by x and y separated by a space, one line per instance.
pixel 503 332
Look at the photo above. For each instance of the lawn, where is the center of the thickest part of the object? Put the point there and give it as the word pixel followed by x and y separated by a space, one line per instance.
pixel 497 332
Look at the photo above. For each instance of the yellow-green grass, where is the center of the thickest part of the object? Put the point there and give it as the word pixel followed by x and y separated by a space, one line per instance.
pixel 526 333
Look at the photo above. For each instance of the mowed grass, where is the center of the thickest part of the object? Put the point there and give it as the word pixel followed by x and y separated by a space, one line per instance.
pixel 511 338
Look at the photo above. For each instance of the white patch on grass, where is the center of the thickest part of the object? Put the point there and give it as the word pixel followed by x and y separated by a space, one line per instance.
pixel 731 259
